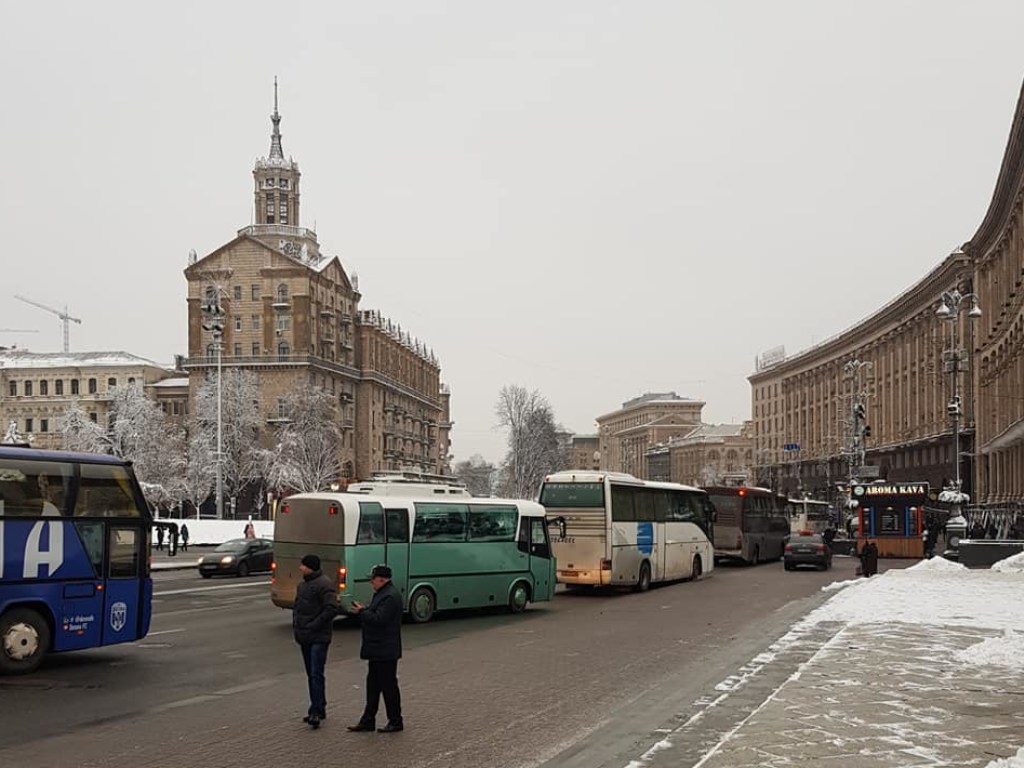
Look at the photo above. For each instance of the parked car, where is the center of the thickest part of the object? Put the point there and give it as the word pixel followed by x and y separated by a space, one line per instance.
pixel 806 548
pixel 238 556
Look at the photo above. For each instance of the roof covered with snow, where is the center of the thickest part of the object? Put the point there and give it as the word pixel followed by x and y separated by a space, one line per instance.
pixel 20 358
pixel 177 381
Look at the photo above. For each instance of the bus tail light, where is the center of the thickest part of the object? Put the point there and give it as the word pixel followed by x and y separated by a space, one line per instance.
pixel 332 510
pixel 606 565
pixel 342 575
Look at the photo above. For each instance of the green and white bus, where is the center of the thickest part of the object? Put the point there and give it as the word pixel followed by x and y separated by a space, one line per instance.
pixel 620 531
pixel 444 553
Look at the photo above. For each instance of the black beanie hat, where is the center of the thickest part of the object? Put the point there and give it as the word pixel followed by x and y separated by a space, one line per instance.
pixel 312 562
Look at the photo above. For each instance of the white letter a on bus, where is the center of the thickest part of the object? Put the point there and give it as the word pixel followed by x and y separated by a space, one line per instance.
pixel 52 558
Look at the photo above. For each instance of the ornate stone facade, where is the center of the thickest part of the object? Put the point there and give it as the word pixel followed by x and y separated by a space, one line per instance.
pixel 626 435
pixel 902 360
pixel 292 315
pixel 712 454
pixel 36 388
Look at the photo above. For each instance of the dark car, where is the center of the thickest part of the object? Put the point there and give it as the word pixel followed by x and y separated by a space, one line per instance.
pixel 807 549
pixel 238 556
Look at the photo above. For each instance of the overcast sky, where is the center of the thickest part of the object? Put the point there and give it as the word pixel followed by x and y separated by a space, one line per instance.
pixel 591 199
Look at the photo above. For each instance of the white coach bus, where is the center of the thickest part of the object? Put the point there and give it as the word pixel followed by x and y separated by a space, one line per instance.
pixel 614 529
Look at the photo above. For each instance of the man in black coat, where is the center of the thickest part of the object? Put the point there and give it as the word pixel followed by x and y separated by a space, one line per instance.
pixel 316 604
pixel 382 648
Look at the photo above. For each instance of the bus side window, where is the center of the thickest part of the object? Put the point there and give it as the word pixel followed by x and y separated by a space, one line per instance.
pixel 371 523
pixel 124 553
pixel 539 544
pixel 523 540
pixel 397 523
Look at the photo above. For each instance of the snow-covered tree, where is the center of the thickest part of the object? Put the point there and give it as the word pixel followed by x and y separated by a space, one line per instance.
pixel 240 425
pixel 80 433
pixel 534 446
pixel 307 456
pixel 200 473
pixel 477 474
pixel 140 432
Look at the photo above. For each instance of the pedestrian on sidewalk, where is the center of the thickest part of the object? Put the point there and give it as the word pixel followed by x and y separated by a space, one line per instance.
pixel 382 648
pixel 160 538
pixel 316 604
pixel 869 558
pixel 250 531
pixel 184 537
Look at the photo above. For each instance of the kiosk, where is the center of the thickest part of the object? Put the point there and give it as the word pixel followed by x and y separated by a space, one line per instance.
pixel 892 515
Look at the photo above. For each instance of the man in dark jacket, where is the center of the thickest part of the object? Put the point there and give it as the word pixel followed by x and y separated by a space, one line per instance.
pixel 382 648
pixel 316 603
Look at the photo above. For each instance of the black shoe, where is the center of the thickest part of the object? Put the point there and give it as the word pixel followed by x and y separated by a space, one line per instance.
pixel 314 722
pixel 307 718
pixel 360 727
pixel 391 728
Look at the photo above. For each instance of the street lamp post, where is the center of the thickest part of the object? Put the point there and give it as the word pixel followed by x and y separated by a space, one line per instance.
pixel 858 428
pixel 215 324
pixel 950 305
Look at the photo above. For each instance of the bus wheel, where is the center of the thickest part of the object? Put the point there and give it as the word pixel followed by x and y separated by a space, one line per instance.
pixel 518 597
pixel 422 605
pixel 698 567
pixel 644 582
pixel 24 640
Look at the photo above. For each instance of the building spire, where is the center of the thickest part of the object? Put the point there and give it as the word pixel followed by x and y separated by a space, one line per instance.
pixel 275 137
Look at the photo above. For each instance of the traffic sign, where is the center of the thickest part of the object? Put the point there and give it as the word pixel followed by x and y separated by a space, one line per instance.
pixel 791 447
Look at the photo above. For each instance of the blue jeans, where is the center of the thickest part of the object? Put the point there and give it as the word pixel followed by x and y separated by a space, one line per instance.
pixel 314 656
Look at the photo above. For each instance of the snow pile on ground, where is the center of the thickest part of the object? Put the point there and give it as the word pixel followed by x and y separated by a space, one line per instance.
pixel 1007 650
pixel 938 564
pixel 1014 761
pixel 930 595
pixel 1014 564
pixel 840 584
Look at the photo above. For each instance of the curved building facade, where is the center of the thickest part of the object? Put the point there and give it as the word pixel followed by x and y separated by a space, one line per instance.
pixel 877 399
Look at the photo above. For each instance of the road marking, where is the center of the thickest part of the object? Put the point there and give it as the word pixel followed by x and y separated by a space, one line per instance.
pixel 210 589
pixel 164 632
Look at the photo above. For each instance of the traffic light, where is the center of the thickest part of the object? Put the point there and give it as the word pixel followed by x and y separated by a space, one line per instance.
pixel 858 411
pixel 867 430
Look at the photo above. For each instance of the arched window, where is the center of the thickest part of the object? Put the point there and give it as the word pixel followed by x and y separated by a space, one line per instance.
pixel 92 386
pixel 58 386
pixel 282 294
pixel 74 386
pixel 731 455
pixel 712 455
pixel 283 349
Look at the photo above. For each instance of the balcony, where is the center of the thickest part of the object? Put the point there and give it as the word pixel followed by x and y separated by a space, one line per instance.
pixel 346 397
pixel 281 304
pixel 326 312
pixel 344 319
pixel 348 424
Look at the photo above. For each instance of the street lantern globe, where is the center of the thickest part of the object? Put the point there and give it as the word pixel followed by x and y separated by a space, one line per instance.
pixel 975 311
pixel 944 311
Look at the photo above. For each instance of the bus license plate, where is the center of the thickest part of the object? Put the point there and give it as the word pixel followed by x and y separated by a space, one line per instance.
pixel 570 573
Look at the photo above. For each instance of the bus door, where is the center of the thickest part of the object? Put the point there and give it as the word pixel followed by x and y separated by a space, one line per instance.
pixel 542 562
pixel 124 588
pixel 82 595
pixel 396 553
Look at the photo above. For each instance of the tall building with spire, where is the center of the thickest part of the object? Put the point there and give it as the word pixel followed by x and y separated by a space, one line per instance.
pixel 292 316
pixel 276 180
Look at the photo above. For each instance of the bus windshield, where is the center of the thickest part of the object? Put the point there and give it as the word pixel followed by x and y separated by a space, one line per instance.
pixel 572 495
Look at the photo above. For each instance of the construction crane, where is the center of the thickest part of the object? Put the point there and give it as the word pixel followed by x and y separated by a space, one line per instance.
pixel 64 316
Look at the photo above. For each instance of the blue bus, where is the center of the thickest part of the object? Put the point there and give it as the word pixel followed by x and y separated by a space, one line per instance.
pixel 74 555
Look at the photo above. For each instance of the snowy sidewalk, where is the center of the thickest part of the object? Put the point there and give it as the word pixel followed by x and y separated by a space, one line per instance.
pixel 919 667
